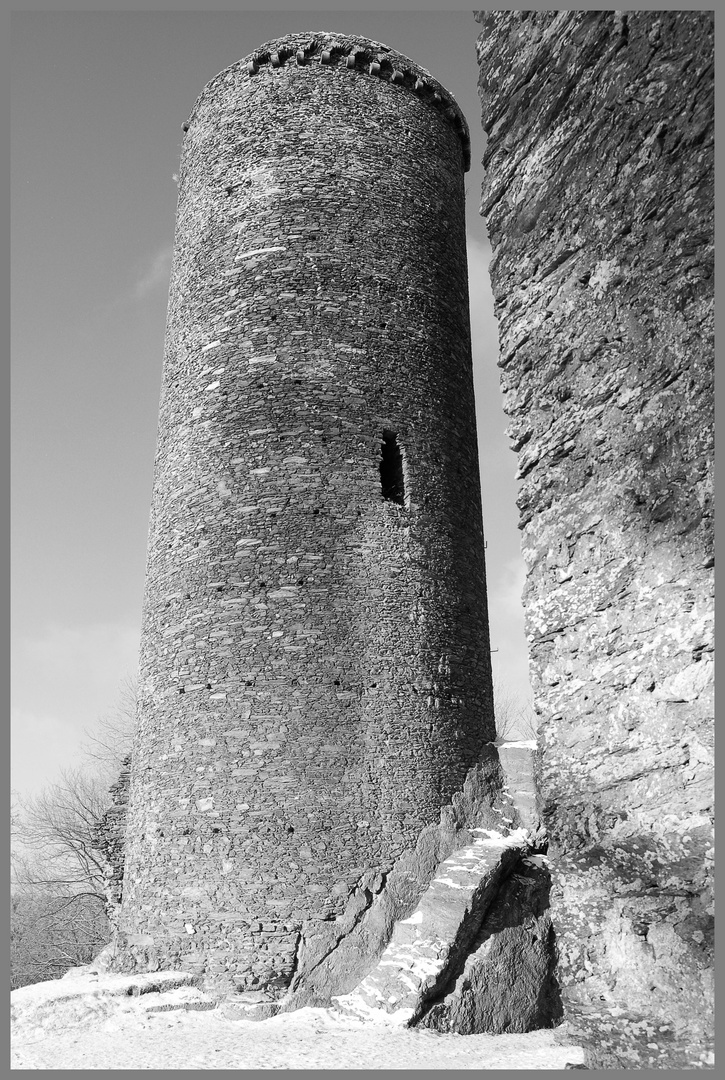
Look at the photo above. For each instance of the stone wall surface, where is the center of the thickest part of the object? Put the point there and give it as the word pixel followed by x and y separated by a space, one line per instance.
pixel 315 672
pixel 110 838
pixel 598 196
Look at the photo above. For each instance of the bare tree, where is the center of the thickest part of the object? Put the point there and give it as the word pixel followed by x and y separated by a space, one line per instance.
pixel 51 932
pixel 515 716
pixel 59 915
pixel 58 902
pixel 57 829
pixel 110 741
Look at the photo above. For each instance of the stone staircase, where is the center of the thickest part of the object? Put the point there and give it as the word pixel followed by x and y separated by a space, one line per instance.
pixel 477 953
pixel 429 948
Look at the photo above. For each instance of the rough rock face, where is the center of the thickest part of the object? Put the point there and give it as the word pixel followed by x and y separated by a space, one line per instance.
pixel 599 202
pixel 477 953
pixel 507 982
pixel 428 947
pixel 314 673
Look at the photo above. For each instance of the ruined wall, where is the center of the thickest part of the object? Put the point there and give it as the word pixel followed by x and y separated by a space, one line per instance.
pixel 598 197
pixel 109 838
pixel 315 672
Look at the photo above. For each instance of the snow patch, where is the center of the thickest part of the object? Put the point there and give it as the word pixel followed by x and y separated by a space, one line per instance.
pixel 414 920
pixel 138 1035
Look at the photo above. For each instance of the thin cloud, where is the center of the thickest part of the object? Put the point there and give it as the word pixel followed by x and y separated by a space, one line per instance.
pixel 484 328
pixel 506 615
pixel 64 679
pixel 155 273
pixel 508 587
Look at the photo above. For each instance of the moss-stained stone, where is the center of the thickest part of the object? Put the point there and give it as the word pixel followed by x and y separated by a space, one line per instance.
pixel 598 197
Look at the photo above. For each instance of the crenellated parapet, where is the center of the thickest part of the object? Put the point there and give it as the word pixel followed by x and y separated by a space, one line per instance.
pixel 360 56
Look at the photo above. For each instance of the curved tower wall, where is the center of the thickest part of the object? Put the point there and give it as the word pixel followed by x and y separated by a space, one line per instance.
pixel 315 672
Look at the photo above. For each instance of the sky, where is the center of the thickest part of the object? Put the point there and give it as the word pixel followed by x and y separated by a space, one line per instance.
pixel 98 99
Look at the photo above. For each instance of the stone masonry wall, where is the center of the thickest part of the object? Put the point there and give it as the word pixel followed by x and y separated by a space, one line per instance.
pixel 598 197
pixel 110 838
pixel 315 672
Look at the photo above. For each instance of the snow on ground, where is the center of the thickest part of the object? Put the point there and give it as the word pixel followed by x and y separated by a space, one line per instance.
pixel 112 1022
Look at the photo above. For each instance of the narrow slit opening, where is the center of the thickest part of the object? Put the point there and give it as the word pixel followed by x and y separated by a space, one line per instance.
pixel 392 480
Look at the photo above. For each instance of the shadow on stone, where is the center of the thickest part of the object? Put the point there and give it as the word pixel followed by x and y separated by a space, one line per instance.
pixel 506 982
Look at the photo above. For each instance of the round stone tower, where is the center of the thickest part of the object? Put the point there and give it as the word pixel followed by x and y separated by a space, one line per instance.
pixel 315 672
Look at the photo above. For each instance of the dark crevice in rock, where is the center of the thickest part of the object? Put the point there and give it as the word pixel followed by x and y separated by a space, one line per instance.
pixel 504 981
pixel 468 934
pixel 344 962
pixel 347 926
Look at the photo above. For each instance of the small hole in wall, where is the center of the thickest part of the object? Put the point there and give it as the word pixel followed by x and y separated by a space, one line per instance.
pixel 182 690
pixel 391 469
pixel 208 686
pixel 290 830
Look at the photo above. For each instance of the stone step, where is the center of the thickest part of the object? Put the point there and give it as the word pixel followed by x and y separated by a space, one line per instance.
pixel 86 993
pixel 517 761
pixel 250 1005
pixel 182 998
pixel 427 945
